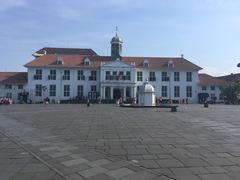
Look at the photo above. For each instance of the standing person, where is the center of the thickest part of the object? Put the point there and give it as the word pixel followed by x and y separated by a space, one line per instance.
pixel 160 100
pixel 99 100
pixel 88 102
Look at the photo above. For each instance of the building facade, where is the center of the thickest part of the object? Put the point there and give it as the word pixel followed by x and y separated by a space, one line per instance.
pixel 61 74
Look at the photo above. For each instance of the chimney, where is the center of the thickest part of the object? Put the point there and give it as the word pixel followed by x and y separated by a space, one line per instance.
pixel 182 56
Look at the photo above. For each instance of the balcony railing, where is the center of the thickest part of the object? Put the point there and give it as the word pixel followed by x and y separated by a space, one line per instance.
pixel 117 78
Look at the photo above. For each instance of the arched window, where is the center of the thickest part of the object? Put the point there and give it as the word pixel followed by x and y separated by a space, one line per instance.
pixel 59 61
pixel 87 62
pixel 170 64
pixel 145 63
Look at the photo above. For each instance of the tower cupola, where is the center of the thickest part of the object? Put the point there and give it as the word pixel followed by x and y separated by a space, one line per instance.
pixel 116 46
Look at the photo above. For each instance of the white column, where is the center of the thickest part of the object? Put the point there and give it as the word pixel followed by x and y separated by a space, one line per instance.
pixel 111 91
pixel 132 92
pixel 124 93
pixel 103 92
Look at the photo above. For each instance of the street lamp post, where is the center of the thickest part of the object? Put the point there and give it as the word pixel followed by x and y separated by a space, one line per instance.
pixel 169 80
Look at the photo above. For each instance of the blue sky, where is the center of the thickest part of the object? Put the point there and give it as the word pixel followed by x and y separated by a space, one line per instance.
pixel 207 32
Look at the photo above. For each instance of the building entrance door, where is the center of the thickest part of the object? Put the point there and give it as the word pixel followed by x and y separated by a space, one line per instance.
pixel 117 93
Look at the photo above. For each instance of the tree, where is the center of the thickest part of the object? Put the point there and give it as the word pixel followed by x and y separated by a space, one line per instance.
pixel 231 93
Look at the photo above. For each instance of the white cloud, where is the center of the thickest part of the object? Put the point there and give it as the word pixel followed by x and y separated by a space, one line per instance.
pixel 8 4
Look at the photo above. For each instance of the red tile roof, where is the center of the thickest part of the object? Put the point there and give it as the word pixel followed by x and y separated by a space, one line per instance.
pixel 231 77
pixel 205 79
pixel 72 51
pixel 162 62
pixel 71 61
pixel 13 77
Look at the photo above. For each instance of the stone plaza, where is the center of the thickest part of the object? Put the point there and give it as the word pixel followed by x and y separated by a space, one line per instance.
pixel 105 142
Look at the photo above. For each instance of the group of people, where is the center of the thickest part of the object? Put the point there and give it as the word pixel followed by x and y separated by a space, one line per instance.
pixel 170 101
pixel 6 101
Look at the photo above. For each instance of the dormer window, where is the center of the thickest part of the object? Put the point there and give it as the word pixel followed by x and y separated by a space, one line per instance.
pixel 170 64
pixel 87 62
pixel 59 61
pixel 146 63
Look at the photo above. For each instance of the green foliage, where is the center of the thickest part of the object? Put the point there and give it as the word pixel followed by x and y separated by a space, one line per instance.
pixel 231 93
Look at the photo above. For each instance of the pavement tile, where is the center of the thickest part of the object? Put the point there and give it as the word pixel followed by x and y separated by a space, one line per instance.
pixel 168 163
pixel 74 162
pixel 118 173
pixel 215 177
pixel 59 154
pixel 143 175
pixel 216 169
pixel 98 162
pixel 92 172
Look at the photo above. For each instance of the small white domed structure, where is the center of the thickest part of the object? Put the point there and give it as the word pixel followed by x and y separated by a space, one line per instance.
pixel 146 95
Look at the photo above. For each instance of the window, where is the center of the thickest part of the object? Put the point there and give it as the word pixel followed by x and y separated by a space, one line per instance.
pixel 204 88
pixel 66 75
pixel 189 91
pixel 212 88
pixel 9 95
pixel 59 61
pixel 164 91
pixel 176 76
pixel 38 75
pixel 165 76
pixel 189 76
pixel 176 91
pixel 80 90
pixel 114 75
pixel 139 75
pixel 52 90
pixel 81 75
pixel 145 63
pixel 8 86
pixel 52 75
pixel 170 64
pixel 38 90
pixel 20 86
pixel 66 90
pixel 152 76
pixel 128 75
pixel 93 76
pixel 87 62
pixel 213 97
pixel 93 88
pixel 107 77
pixel 120 75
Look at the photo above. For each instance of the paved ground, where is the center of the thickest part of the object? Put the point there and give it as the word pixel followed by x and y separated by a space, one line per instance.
pixel 107 142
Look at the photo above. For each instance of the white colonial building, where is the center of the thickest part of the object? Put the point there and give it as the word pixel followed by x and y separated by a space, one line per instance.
pixel 66 73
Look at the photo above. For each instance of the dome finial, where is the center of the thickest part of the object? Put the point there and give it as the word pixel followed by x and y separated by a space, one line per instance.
pixel 116 31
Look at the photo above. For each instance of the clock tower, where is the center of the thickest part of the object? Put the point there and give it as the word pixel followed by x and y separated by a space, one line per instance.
pixel 116 47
